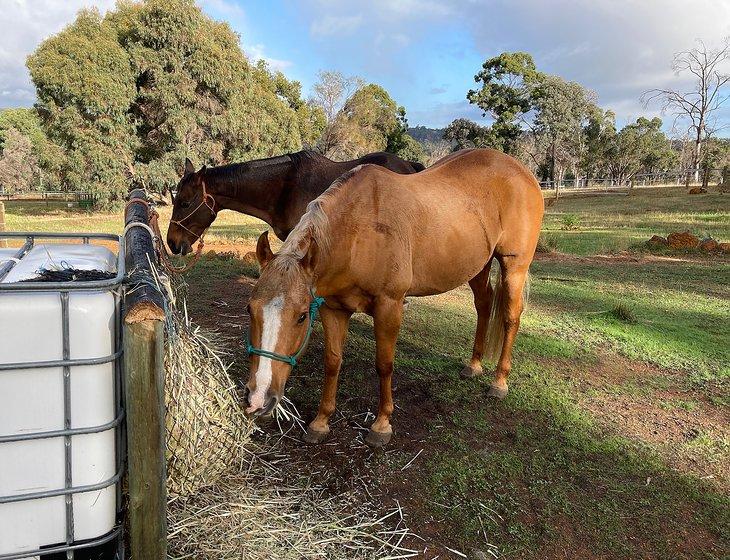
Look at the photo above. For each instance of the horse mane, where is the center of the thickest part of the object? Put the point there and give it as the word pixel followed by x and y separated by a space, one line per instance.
pixel 235 171
pixel 314 225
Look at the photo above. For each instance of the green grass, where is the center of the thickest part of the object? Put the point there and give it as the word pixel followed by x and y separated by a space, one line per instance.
pixel 681 311
pixel 613 223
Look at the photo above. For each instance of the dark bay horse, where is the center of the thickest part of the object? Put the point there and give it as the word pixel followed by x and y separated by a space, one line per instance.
pixel 276 190
pixel 375 237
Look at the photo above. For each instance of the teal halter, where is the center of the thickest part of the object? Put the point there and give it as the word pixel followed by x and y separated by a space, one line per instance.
pixel 292 359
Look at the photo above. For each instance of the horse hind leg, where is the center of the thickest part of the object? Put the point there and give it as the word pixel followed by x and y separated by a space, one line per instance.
pixel 505 320
pixel 482 290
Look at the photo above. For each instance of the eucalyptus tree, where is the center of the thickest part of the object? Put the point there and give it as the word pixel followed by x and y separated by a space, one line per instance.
pixel 153 82
pixel 505 94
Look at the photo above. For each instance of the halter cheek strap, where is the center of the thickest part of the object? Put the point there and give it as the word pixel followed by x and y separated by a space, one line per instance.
pixel 209 202
pixel 292 358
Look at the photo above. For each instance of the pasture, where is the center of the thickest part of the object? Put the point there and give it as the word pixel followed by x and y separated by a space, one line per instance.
pixel 614 441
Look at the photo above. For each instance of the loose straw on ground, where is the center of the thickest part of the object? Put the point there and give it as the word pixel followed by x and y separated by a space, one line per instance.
pixel 228 502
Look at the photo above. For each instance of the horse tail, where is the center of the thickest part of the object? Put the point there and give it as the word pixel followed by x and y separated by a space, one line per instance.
pixel 495 326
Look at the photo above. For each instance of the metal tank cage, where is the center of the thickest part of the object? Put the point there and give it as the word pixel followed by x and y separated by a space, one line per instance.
pixel 113 286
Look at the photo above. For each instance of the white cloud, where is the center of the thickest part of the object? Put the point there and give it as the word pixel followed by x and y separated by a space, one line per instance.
pixel 223 7
pixel 26 24
pixel 335 25
pixel 256 52
pixel 617 48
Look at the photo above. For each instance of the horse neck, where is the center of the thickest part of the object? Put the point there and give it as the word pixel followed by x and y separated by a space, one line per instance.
pixel 255 191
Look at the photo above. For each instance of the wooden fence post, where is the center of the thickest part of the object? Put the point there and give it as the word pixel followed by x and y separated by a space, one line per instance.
pixel 3 242
pixel 144 342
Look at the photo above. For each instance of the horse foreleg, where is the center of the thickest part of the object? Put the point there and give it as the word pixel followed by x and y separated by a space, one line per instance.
pixel 483 303
pixel 388 314
pixel 335 323
pixel 514 276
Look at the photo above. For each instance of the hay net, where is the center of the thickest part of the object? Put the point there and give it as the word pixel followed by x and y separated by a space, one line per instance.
pixel 206 428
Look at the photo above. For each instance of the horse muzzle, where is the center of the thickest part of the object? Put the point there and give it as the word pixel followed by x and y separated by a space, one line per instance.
pixel 264 411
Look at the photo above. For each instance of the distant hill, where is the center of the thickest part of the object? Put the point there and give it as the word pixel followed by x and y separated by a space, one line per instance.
pixel 424 134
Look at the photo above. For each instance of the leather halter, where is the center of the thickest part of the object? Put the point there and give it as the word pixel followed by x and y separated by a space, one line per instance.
pixel 209 205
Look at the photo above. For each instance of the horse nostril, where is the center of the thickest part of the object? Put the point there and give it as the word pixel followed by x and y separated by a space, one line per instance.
pixel 268 407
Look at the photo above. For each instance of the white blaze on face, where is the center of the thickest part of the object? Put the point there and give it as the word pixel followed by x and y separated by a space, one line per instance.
pixel 269 337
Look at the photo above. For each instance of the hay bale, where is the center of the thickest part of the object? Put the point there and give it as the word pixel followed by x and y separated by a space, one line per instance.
pixel 206 424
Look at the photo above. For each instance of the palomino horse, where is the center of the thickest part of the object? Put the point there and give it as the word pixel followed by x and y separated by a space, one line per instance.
pixel 375 237
pixel 277 190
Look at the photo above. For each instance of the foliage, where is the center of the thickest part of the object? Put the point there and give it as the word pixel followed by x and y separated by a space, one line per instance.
pixel 505 94
pixel 85 87
pixel 406 147
pixel 154 82
pixel 556 127
pixel 465 133
pixel 18 164
pixel 366 121
pixel 570 221
pixel 562 109
pixel 46 155
pixel 639 146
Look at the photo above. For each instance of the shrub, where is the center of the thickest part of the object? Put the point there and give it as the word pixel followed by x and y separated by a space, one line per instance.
pixel 623 313
pixel 547 243
pixel 570 221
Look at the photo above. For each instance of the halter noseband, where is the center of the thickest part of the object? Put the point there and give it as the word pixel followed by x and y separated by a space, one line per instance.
pixel 290 359
pixel 206 196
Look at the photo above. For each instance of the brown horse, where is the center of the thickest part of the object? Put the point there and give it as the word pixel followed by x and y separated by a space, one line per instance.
pixel 375 237
pixel 277 190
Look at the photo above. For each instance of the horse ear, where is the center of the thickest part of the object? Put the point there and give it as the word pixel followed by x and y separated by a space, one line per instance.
pixel 264 254
pixel 309 251
pixel 202 169
pixel 189 168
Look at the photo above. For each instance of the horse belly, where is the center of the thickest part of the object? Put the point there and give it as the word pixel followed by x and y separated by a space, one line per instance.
pixel 451 259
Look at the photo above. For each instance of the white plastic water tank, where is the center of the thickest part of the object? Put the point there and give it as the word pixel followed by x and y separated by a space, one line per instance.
pixel 33 400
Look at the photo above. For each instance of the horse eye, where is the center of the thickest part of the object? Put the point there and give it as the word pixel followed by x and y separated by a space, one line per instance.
pixel 301 318
pixel 185 205
pixel 248 309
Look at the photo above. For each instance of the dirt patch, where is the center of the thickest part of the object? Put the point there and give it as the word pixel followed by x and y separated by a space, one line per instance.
pixel 654 408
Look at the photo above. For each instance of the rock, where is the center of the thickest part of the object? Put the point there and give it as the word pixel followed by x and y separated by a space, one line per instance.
pixel 657 241
pixel 697 190
pixel 709 245
pixel 683 240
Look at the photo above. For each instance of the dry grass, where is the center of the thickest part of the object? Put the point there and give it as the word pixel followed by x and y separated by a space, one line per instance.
pixel 253 514
pixel 226 501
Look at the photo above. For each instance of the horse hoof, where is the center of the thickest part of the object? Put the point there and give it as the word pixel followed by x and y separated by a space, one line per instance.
pixel 378 439
pixel 468 372
pixel 313 437
pixel 497 392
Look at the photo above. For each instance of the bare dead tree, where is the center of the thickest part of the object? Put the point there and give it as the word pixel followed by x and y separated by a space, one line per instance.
pixel 331 93
pixel 698 106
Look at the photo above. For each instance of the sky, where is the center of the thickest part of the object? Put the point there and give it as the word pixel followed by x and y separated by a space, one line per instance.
pixel 426 52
